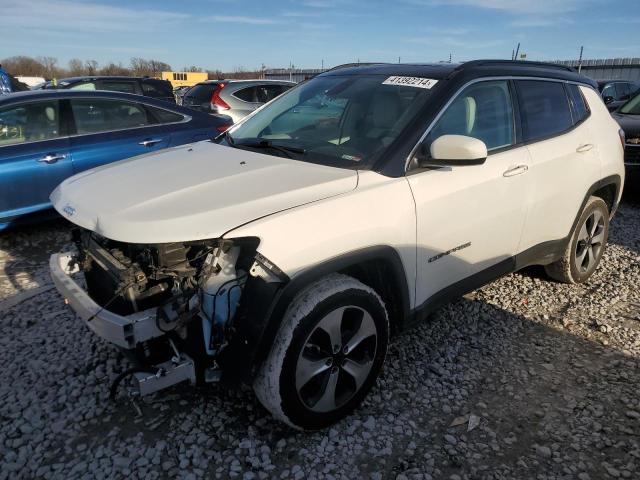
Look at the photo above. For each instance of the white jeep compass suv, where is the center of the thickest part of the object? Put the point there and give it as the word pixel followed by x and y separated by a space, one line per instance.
pixel 285 253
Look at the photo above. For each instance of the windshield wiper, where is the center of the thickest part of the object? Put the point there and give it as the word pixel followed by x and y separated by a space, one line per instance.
pixel 287 150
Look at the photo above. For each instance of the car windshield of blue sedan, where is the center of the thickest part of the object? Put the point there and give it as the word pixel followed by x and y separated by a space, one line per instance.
pixel 343 121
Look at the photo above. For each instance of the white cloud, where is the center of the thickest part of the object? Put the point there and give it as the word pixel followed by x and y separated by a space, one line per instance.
pixel 242 19
pixel 512 6
pixel 66 15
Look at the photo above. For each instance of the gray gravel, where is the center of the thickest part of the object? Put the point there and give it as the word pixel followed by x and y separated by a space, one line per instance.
pixel 524 378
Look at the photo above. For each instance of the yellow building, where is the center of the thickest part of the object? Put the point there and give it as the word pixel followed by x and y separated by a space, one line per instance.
pixel 184 79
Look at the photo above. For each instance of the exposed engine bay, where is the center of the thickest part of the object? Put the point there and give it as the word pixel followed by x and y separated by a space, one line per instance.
pixel 191 290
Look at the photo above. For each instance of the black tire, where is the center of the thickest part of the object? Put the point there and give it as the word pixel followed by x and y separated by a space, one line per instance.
pixel 570 268
pixel 358 310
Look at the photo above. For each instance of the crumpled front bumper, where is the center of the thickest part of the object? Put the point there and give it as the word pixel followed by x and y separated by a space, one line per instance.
pixel 124 331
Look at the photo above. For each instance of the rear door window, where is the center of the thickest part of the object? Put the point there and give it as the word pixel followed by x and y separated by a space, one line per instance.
pixel 266 93
pixel 544 108
pixel 579 106
pixel 30 122
pixel 102 115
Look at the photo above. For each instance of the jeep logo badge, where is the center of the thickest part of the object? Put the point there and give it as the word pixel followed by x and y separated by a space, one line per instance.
pixel 69 210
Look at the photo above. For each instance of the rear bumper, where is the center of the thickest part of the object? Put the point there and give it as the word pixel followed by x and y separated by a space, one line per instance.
pixel 124 331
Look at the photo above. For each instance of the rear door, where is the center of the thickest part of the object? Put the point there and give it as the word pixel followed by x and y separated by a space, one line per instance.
pixel 107 130
pixel 34 156
pixel 564 160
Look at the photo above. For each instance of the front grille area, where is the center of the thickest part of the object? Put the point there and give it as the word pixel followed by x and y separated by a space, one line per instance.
pixel 632 154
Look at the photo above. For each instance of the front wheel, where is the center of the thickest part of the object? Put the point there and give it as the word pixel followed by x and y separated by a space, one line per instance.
pixel 586 246
pixel 327 354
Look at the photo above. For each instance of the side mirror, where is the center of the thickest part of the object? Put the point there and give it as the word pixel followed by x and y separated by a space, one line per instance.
pixel 608 99
pixel 454 151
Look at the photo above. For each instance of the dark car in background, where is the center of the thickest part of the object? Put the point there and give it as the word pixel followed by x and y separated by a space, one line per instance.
pixel 148 87
pixel 616 92
pixel 47 136
pixel 236 98
pixel 628 117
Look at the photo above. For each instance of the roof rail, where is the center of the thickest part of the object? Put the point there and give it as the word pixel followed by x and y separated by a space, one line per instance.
pixel 359 64
pixel 524 63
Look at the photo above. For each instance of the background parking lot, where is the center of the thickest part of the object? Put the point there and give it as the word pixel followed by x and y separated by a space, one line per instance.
pixel 523 378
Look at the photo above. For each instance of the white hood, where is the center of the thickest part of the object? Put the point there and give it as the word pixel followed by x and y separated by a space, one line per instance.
pixel 192 192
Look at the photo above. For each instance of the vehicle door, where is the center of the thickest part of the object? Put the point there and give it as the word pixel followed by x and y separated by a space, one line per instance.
pixel 108 129
pixel 34 156
pixel 470 218
pixel 564 161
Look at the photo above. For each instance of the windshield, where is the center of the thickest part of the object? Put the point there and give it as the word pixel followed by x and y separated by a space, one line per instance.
pixel 632 107
pixel 343 121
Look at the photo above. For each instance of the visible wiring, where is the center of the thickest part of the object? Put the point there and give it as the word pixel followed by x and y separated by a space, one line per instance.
pixel 119 292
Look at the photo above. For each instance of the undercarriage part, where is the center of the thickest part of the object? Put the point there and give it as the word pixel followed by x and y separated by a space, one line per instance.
pixel 168 374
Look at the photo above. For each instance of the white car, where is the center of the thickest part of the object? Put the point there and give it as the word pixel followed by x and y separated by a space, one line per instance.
pixel 286 252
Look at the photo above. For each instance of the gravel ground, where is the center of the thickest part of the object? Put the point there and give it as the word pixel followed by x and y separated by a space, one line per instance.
pixel 524 378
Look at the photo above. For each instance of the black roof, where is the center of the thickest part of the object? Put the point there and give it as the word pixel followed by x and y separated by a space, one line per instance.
pixel 475 68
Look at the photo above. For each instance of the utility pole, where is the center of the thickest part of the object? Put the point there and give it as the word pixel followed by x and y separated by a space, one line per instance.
pixel 515 57
pixel 449 58
pixel 322 65
pixel 580 59
pixel 399 60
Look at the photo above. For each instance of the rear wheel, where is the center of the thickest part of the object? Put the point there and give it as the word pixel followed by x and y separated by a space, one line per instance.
pixel 327 355
pixel 586 247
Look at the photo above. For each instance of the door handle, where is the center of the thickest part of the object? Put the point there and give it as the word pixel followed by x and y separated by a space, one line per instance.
pixel 584 148
pixel 519 170
pixel 150 142
pixel 52 158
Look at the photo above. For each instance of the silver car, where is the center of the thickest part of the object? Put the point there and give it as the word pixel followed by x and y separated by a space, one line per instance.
pixel 236 98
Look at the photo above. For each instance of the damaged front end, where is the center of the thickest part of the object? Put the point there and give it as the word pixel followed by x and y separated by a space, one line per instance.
pixel 178 309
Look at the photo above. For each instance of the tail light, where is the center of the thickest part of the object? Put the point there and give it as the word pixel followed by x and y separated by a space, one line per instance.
pixel 622 137
pixel 216 100
pixel 223 128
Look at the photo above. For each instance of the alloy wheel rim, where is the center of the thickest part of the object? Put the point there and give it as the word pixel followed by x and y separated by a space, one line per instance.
pixel 336 359
pixel 590 242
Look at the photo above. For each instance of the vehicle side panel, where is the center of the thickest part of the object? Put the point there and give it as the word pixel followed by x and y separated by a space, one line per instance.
pixel 380 211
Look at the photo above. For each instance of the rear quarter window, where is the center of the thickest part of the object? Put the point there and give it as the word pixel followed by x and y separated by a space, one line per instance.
pixel 165 116
pixel 544 109
pixel 579 106
pixel 248 94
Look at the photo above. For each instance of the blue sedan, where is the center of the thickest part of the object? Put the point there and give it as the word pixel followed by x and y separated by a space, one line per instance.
pixel 47 136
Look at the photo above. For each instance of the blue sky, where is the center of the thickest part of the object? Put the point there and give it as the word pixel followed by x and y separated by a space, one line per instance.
pixel 226 34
